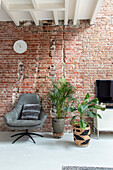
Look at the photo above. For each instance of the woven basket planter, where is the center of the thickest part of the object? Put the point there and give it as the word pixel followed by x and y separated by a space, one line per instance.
pixel 81 136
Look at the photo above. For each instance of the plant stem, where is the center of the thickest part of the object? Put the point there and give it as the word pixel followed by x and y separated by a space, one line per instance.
pixel 59 112
pixel 81 117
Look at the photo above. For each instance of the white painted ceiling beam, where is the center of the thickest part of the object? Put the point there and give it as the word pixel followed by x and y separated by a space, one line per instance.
pixel 76 12
pixel 36 21
pixel 98 5
pixel 66 12
pixel 21 7
pixel 47 9
pixel 51 6
pixel 55 14
pixel 12 15
pixel 0 3
pixel 35 4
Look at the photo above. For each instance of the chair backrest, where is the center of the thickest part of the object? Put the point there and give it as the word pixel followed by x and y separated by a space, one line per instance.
pixel 28 98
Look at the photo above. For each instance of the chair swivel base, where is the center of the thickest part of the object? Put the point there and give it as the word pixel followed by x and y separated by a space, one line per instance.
pixel 26 133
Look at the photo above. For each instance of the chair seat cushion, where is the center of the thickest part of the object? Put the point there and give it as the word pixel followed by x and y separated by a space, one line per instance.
pixel 24 123
pixel 30 112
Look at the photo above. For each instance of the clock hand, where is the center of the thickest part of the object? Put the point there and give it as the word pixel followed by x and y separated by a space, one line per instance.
pixel 19 44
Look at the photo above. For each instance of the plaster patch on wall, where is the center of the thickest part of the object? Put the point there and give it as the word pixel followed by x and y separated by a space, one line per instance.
pixel 27 23
pixel 51 50
pixel 14 95
pixel 52 47
pixel 13 98
pixel 20 70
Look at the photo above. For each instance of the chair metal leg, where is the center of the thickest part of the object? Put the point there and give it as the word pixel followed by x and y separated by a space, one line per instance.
pixel 16 134
pixel 35 134
pixel 26 133
pixel 18 138
pixel 31 138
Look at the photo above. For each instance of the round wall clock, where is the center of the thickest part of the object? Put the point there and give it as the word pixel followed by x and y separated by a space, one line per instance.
pixel 20 46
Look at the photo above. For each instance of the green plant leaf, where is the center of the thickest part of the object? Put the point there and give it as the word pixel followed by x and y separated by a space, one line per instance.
pixel 84 102
pixel 87 96
pixel 73 119
pixel 100 107
pixel 69 109
pixel 62 80
pixel 78 102
pixel 82 108
pixel 91 107
pixel 79 108
pixel 78 105
pixel 83 124
pixel 61 94
pixel 94 101
pixel 99 116
pixel 91 114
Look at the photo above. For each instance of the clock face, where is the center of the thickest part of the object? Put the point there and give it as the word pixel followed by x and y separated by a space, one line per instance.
pixel 20 46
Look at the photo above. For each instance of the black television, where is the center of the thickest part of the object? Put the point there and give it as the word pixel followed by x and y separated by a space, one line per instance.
pixel 104 91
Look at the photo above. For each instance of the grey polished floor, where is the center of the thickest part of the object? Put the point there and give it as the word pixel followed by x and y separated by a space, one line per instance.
pixel 51 154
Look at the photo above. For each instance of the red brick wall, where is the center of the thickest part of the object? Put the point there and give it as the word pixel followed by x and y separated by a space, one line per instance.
pixel 82 54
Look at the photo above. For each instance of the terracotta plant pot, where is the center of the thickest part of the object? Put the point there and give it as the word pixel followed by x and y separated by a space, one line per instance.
pixel 58 127
pixel 81 136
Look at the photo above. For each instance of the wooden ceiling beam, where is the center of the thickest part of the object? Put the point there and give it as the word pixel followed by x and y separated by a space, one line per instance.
pixel 36 21
pixel 66 12
pixel 0 3
pixel 11 14
pixel 20 7
pixel 55 14
pixel 76 12
pixel 51 6
pixel 98 5
pixel 60 10
pixel 35 4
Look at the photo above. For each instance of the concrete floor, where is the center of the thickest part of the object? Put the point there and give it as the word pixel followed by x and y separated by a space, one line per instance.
pixel 51 154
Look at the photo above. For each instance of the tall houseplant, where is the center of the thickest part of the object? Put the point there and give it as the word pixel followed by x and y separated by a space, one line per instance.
pixel 81 129
pixel 60 96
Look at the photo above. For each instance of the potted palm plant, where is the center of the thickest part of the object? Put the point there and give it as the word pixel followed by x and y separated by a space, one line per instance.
pixel 81 129
pixel 60 96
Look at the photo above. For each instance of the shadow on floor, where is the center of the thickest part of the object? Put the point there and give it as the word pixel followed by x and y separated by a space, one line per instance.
pixel 48 136
pixel 6 138
pixel 66 144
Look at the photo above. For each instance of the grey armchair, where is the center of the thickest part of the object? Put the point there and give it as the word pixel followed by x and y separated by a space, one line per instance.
pixel 13 121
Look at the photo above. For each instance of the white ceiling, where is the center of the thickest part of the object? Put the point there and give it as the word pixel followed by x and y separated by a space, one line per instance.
pixel 36 10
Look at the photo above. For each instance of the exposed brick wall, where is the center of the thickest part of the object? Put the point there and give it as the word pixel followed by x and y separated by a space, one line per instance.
pixel 82 54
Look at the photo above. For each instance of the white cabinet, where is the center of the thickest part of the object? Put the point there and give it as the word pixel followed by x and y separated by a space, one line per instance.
pixel 106 123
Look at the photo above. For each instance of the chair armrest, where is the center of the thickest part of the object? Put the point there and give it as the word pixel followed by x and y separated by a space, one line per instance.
pixel 10 116
pixel 43 116
pixel 13 115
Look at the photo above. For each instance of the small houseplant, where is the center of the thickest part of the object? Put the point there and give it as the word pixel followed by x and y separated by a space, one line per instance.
pixel 81 129
pixel 60 96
